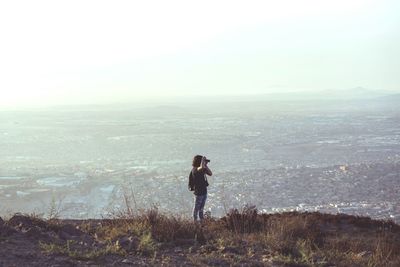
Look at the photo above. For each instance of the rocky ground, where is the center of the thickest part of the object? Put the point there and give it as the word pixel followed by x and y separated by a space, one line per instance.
pixel 241 238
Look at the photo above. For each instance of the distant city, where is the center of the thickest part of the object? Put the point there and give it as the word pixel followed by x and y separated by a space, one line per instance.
pixel 338 156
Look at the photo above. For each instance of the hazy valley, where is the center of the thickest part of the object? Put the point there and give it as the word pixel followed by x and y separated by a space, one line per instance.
pixel 333 156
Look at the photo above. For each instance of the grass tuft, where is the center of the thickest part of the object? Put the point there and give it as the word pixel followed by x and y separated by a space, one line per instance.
pixel 69 249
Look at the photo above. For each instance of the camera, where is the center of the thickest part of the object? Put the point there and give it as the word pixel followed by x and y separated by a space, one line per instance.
pixel 207 160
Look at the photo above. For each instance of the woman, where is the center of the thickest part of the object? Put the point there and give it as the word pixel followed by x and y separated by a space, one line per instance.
pixel 198 183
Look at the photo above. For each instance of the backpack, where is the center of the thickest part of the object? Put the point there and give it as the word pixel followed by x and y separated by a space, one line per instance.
pixel 191 181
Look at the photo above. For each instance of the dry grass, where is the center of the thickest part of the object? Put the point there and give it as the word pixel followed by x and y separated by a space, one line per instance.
pixel 71 249
pixel 163 228
pixel 310 239
pixel 245 237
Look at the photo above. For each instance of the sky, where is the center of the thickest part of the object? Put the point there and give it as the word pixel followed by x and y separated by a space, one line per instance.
pixel 85 52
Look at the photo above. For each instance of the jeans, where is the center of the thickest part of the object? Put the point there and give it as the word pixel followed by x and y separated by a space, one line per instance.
pixel 199 202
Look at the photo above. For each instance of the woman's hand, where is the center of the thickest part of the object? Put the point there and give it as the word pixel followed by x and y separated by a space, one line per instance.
pixel 203 162
pixel 203 166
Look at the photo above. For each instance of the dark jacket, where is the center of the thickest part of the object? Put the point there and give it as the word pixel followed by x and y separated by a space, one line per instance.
pixel 198 182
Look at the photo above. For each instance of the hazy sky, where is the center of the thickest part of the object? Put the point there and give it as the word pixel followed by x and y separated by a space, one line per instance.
pixel 110 51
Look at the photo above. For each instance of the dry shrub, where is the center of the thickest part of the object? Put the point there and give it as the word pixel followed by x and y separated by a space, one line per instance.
pixel 163 228
pixel 73 250
pixel 111 230
pixel 295 234
pixel 246 220
pixel 168 228
pixel 362 246
pixel 283 234
pixel 386 251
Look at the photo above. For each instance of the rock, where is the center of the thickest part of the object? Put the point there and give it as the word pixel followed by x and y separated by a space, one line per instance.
pixel 207 249
pixel 126 261
pixel 364 254
pixel 25 222
pixel 217 262
pixel 6 230
pixel 63 262
pixel 21 221
pixel 1 221
pixel 128 243
pixel 267 259
pixel 87 239
pixel 38 233
pixel 35 232
pixel 65 236
pixel 70 232
pixel 193 249
pixel 232 250
pixel 184 242
pixel 178 250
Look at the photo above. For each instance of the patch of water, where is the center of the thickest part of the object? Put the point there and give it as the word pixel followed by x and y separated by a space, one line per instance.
pixel 57 181
pixel 11 178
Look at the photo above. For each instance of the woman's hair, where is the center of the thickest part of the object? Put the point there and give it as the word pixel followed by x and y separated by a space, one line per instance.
pixel 197 161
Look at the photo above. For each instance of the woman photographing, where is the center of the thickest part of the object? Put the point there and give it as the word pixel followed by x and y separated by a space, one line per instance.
pixel 198 183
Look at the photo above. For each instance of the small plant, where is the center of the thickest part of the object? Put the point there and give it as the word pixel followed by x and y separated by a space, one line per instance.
pixel 71 249
pixel 246 220
pixel 55 209
pixel 147 246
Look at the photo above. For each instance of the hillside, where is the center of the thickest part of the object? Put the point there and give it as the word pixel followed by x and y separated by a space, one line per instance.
pixel 241 238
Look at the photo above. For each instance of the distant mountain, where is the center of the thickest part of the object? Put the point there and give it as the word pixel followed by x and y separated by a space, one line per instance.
pixel 355 93
pixel 393 98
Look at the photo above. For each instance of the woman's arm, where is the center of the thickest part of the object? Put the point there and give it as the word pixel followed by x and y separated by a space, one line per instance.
pixel 203 164
pixel 204 167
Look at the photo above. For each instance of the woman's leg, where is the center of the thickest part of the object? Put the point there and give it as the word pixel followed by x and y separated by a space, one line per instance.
pixel 201 208
pixel 196 207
